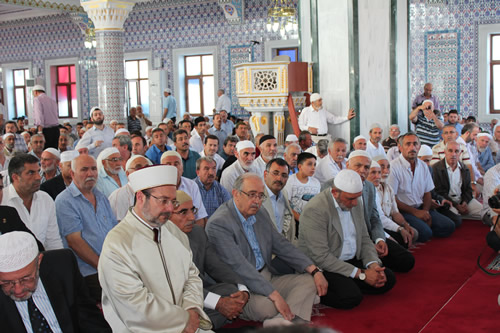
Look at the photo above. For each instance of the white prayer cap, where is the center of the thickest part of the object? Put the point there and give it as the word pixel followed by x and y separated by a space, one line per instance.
pixel 149 127
pixel 80 145
pixel 182 197
pixel 291 138
pixel 167 90
pixel 17 250
pixel 170 153
pixel 93 109
pixel 375 125
pixel 244 145
pixel 428 101
pixel 38 87
pixel 380 158
pixel 133 158
pixel 153 176
pixel 357 153
pixel 121 130
pixel 25 132
pixel 54 152
pixel 348 181
pixel 359 137
pixel 314 97
pixel 105 154
pixel 113 121
pixel 69 155
pixel 425 150
pixel 484 134
pixel 6 135
pixel 375 165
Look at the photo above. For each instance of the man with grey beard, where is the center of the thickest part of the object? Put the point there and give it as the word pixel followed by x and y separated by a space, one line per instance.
pixel 85 217
pixel 43 295
pixel 268 149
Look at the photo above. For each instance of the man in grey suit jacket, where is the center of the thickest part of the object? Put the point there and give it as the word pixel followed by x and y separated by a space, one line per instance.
pixel 224 292
pixel 334 235
pixel 245 239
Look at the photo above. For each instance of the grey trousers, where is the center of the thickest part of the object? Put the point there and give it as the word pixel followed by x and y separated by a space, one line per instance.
pixel 298 290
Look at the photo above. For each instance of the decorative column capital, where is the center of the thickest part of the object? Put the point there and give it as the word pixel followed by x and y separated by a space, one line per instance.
pixel 108 14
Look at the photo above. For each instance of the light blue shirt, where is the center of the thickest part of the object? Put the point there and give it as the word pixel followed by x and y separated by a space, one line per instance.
pixel 76 214
pixel 278 203
pixel 42 302
pixel 106 184
pixel 93 135
pixel 252 238
pixel 171 105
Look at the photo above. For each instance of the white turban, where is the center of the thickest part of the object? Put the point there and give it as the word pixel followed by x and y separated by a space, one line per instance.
pixel 348 181
pixel 6 135
pixel 153 176
pixel 17 250
pixel 104 155
pixel 133 158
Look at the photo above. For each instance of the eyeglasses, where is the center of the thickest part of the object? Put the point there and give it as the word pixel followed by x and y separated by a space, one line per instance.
pixel 22 281
pixel 115 159
pixel 253 196
pixel 184 211
pixel 165 202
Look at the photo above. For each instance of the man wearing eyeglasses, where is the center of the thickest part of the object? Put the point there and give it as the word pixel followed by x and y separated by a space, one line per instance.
pixel 246 240
pixel 85 217
pixel 49 164
pixel 43 292
pixel 110 171
pixel 224 292
pixel 149 281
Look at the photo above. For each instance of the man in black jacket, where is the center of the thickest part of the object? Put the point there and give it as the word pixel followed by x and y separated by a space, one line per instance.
pixel 43 291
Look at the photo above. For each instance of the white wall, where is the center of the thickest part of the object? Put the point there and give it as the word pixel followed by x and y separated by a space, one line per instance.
pixel 402 64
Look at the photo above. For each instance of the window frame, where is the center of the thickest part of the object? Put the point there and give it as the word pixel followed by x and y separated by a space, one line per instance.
pixel 200 78
pixel 492 64
pixel 68 87
pixel 137 81
pixel 24 87
pixel 292 48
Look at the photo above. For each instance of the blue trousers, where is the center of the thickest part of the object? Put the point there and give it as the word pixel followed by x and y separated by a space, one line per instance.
pixel 441 226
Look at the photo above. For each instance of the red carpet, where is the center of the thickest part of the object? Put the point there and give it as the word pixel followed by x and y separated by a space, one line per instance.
pixel 445 292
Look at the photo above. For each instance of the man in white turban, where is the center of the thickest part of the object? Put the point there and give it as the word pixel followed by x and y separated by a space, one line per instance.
pixel 334 235
pixel 148 278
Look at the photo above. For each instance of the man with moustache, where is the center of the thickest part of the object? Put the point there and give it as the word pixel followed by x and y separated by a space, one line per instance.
pixel 245 154
pixel 59 183
pixel 149 280
pixel 268 149
pixel 218 131
pixel 111 174
pixel 210 150
pixel 100 136
pixel 373 146
pixel 36 208
pixel 37 143
pixel 158 146
pixel 226 124
pixel 392 139
pixel 224 292
pixel 189 157
pixel 291 156
pixel 85 218
pixel 139 145
pixel 332 164
pixel 43 292
pixel 49 164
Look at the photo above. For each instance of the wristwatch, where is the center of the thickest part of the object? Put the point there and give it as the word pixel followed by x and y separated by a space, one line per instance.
pixel 316 270
pixel 474 183
pixel 362 275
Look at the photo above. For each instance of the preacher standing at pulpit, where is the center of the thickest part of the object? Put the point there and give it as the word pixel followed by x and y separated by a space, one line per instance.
pixel 315 119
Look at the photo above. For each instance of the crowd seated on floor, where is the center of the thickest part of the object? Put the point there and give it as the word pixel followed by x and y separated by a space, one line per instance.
pixel 190 224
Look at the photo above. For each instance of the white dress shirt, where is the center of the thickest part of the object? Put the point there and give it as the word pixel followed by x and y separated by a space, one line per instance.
pixel 230 174
pixel 259 166
pixel 219 161
pixel 196 142
pixel 318 119
pixel 41 219
pixel 455 179
pixel 191 188
pixel 327 169
pixel 374 151
pixel 410 187
pixel 223 103
pixel 93 135
pixel 121 200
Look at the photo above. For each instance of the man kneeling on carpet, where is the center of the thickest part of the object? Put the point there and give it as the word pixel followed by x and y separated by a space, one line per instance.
pixel 337 240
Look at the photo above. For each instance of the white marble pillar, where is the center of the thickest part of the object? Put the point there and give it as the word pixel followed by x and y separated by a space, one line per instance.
pixel 108 17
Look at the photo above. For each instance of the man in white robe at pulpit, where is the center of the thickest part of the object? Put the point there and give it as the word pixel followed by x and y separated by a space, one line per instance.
pixel 149 281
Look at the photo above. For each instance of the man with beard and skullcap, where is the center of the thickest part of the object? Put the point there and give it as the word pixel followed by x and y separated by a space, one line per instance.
pixel 148 278
pixel 100 136
pixel 9 139
pixel 245 154
pixel 123 198
pixel 111 174
pixel 49 164
pixel 268 148
pixel 85 217
pixel 36 208
pixel 43 292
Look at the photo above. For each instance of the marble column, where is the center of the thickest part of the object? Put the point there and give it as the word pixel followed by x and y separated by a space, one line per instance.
pixel 108 17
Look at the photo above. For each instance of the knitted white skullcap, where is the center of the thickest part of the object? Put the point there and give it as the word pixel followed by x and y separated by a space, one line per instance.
pixel 149 127
pixel 114 121
pixel 375 165
pixel 359 137
pixel 38 87
pixel 375 125
pixel 133 158
pixel 121 130
pixel 170 153
pixel 17 250
pixel 291 138
pixel 244 145
pixel 153 176
pixel 93 109
pixel 348 181
pixel 425 150
pixel 6 135
pixel 380 158
pixel 168 90
pixel 69 155
pixel 54 152
pixel 357 153
pixel 314 97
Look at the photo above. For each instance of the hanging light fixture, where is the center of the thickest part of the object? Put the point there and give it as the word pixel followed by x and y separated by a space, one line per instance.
pixel 282 18
pixel 90 41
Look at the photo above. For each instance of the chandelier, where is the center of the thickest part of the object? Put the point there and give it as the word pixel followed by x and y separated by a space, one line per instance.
pixel 90 41
pixel 282 18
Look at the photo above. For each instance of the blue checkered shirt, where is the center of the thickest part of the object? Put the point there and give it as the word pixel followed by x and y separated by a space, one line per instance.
pixel 214 197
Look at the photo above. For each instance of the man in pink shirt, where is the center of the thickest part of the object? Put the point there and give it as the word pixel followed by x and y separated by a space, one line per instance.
pixel 46 116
